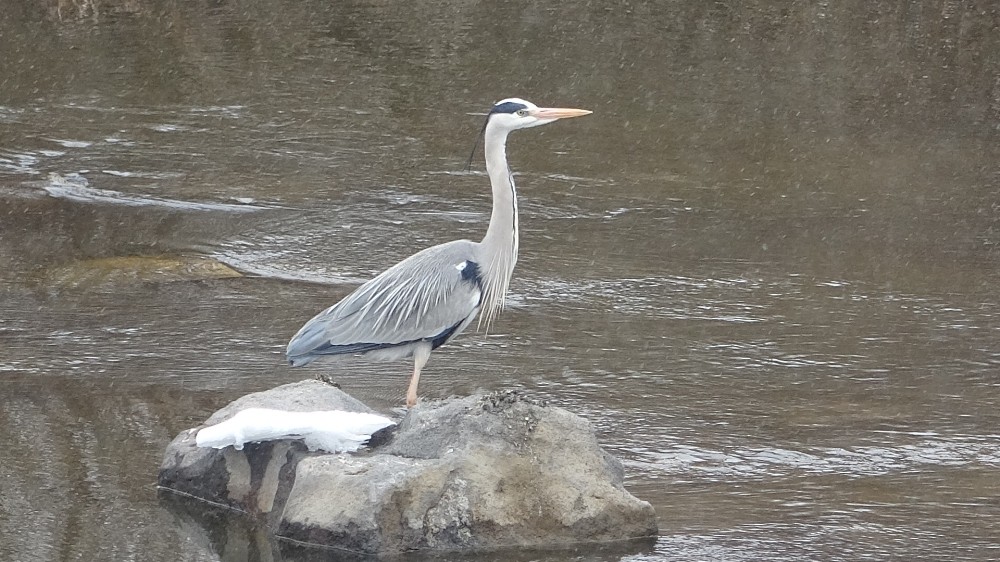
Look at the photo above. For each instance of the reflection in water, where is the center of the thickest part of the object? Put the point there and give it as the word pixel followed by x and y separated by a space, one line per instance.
pixel 765 268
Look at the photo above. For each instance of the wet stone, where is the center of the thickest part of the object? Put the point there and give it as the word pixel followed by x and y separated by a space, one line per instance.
pixel 121 270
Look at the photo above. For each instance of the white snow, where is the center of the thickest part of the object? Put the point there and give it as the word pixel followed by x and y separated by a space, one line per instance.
pixel 332 431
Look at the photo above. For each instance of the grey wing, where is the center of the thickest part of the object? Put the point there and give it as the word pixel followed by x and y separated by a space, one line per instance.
pixel 431 294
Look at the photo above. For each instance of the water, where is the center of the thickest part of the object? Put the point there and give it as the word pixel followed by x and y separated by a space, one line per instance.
pixel 765 268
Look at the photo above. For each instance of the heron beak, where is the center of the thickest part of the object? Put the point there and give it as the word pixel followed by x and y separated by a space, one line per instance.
pixel 558 112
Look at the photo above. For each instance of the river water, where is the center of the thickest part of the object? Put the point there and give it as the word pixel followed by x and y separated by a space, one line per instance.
pixel 767 268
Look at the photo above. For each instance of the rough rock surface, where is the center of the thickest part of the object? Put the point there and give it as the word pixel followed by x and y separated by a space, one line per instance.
pixel 482 472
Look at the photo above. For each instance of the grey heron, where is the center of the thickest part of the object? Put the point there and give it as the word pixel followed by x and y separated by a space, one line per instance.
pixel 428 298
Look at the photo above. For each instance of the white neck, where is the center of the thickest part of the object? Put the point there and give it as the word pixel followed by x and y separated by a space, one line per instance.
pixel 500 243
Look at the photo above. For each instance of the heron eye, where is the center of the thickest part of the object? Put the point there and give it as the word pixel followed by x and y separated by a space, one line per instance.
pixel 522 112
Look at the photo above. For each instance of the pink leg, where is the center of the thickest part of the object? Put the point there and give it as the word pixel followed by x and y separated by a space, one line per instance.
pixel 420 357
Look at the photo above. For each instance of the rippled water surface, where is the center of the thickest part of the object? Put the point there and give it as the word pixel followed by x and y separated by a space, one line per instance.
pixel 766 268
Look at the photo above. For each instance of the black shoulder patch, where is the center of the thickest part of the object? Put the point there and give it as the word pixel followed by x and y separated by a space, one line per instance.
pixel 470 272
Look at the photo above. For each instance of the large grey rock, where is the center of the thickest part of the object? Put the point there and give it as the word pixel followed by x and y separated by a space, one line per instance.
pixel 256 479
pixel 474 473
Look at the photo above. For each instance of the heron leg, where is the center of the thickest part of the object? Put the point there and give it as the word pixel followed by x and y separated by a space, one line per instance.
pixel 420 356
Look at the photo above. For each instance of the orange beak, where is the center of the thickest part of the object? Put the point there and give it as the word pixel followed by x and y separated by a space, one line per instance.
pixel 558 112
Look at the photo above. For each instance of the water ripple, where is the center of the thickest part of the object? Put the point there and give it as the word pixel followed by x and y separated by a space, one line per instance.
pixel 770 462
pixel 74 187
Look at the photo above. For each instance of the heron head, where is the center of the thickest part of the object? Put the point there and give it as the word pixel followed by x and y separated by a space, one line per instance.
pixel 516 113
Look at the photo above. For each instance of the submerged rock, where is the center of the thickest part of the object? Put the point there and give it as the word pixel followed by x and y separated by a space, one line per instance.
pixel 115 271
pixel 476 473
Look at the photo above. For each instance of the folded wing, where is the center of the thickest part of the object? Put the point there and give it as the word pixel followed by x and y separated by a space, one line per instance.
pixel 429 296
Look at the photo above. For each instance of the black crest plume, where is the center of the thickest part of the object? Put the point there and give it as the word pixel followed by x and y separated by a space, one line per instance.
pixel 475 145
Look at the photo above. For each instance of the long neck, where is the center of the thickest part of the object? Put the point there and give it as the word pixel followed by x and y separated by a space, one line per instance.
pixel 499 246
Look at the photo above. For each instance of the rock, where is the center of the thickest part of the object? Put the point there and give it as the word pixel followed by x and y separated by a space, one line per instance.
pixel 122 270
pixel 260 476
pixel 476 473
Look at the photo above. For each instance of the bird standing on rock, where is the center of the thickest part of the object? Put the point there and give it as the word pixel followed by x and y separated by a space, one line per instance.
pixel 428 298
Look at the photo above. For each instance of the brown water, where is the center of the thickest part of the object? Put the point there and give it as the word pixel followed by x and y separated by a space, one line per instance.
pixel 766 268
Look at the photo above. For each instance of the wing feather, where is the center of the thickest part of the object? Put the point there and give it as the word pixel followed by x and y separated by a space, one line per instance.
pixel 419 298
